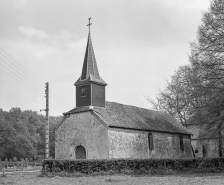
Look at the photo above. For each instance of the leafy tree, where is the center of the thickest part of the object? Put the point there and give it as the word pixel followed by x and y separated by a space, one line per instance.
pixel 22 134
pixel 195 93
pixel 207 59
pixel 6 134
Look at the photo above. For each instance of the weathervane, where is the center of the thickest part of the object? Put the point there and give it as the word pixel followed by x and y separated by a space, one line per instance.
pixel 89 24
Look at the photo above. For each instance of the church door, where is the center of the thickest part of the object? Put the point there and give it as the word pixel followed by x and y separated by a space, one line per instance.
pixel 80 152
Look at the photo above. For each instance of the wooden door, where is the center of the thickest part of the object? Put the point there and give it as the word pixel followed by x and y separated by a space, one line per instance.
pixel 80 152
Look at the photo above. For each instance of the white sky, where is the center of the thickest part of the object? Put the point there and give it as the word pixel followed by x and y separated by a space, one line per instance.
pixel 137 45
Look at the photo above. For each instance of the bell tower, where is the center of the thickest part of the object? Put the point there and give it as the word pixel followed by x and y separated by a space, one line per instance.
pixel 90 87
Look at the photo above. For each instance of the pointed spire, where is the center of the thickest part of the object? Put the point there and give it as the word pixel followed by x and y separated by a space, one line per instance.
pixel 90 71
pixel 89 64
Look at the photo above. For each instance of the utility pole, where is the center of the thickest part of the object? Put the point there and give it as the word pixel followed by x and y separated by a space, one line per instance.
pixel 47 120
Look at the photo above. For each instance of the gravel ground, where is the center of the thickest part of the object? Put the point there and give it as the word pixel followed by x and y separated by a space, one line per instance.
pixel 193 179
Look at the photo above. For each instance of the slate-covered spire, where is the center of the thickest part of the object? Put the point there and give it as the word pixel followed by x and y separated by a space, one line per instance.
pixel 89 64
pixel 90 71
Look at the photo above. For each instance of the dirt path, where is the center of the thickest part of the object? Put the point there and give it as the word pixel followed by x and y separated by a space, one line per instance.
pixel 194 179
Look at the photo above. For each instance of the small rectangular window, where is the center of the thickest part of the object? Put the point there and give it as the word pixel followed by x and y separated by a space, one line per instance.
pixel 150 141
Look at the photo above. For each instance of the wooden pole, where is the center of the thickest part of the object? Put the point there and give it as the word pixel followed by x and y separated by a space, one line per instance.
pixel 47 122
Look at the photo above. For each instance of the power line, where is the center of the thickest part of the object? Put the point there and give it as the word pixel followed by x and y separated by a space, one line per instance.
pixel 29 86
pixel 31 75
pixel 67 107
pixel 59 96
pixel 19 77
pixel 35 81
pixel 23 76
pixel 22 67
pixel 20 81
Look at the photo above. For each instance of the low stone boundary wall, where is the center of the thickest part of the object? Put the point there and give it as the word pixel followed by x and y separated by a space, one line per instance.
pixel 132 166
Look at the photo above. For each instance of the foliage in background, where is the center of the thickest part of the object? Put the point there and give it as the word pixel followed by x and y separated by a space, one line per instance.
pixel 195 92
pixel 22 134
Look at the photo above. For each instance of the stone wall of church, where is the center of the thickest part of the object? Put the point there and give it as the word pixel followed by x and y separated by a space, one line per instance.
pixel 203 146
pixel 207 148
pixel 81 129
pixel 124 143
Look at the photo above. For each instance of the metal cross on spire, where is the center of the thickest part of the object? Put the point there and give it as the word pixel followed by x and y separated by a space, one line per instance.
pixel 89 24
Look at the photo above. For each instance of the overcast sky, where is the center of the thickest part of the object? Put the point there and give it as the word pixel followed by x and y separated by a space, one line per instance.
pixel 138 44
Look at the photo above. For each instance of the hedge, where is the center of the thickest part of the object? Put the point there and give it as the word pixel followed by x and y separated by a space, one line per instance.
pixel 132 166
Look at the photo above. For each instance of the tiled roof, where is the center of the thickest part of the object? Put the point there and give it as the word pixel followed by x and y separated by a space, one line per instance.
pixel 131 117
pixel 90 71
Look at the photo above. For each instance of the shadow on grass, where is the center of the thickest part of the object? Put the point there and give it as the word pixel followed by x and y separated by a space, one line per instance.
pixel 181 175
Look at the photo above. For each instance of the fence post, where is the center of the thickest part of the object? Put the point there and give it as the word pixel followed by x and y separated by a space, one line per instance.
pixel 22 168
pixel 3 169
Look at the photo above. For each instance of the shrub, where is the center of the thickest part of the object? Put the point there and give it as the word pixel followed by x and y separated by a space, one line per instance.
pixel 132 166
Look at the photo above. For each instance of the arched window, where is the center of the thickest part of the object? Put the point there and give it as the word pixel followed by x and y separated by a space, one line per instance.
pixel 150 141
pixel 181 143
pixel 204 151
pixel 80 152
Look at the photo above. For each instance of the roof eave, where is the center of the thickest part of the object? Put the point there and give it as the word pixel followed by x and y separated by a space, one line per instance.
pixel 149 130
pixel 80 82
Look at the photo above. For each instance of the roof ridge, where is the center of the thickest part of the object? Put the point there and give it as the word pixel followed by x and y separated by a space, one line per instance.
pixel 136 107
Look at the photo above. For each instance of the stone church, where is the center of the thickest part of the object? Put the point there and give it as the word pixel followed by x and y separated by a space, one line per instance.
pixel 97 129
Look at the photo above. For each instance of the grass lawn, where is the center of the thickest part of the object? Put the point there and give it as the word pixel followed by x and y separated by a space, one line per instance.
pixel 188 179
